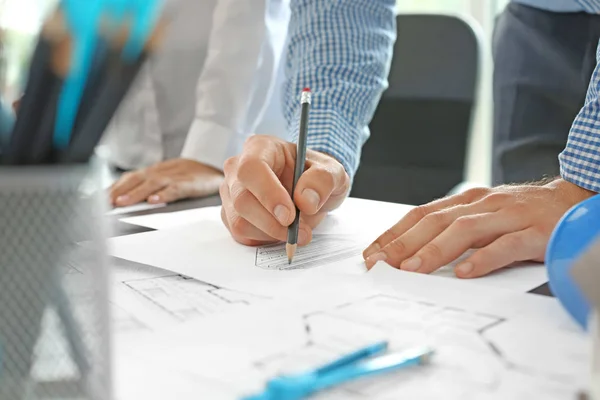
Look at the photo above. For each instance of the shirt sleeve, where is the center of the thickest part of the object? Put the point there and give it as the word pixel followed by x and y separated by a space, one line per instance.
pixel 580 160
pixel 590 6
pixel 245 48
pixel 341 50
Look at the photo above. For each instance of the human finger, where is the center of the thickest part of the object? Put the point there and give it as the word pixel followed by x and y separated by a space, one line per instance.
pixel 258 178
pixel 525 245
pixel 241 230
pixel 169 194
pixel 413 217
pixel 459 237
pixel 244 241
pixel 142 192
pixel 250 209
pixel 318 184
pixel 424 231
pixel 126 183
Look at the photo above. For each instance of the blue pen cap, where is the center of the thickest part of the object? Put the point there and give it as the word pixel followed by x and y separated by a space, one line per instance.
pixel 573 234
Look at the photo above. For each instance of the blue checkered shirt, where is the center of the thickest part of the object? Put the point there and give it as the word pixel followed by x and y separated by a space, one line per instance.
pixel 341 50
pixel 580 161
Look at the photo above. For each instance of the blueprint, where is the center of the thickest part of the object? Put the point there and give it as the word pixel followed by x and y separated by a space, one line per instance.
pixel 145 298
pixel 498 347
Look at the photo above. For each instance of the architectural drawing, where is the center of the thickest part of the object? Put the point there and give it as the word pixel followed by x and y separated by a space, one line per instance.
pixel 146 298
pixel 324 248
pixel 471 361
pixel 185 298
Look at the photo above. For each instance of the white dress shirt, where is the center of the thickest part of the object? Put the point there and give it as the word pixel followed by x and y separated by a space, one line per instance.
pixel 208 87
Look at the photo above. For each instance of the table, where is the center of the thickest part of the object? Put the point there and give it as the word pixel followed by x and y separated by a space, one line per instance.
pixel 120 228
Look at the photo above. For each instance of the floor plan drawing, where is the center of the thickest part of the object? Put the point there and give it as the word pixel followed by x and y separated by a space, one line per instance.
pixel 473 357
pixel 324 248
pixel 186 298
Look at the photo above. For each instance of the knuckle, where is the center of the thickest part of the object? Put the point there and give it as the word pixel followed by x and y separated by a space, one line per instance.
pixel 497 199
pixel 238 226
pixel 223 190
pixel 128 175
pixel 475 194
pixel 325 176
pixel 510 242
pixel 248 167
pixel 519 208
pixel 396 247
pixel 438 219
pixel 431 251
pixel 239 198
pixel 466 223
pixel 253 139
pixel 229 164
pixel 418 213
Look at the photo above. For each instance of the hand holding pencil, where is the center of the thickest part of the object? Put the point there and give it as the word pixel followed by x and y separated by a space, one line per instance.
pixel 258 206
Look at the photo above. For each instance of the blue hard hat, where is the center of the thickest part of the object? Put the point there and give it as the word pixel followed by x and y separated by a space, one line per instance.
pixel 573 234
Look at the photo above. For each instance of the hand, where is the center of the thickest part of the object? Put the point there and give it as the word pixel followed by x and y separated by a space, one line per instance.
pixel 257 207
pixel 166 182
pixel 506 224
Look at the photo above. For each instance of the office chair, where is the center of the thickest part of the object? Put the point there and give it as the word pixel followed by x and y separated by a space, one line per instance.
pixel 421 128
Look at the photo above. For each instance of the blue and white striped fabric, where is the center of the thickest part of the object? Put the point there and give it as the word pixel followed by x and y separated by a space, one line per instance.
pixel 590 6
pixel 580 161
pixel 341 50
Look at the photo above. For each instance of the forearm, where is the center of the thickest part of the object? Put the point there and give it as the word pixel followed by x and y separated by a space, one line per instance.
pixel 342 51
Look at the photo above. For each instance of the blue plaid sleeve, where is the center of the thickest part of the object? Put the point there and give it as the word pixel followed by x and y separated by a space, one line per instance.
pixel 580 160
pixel 341 50
pixel 590 6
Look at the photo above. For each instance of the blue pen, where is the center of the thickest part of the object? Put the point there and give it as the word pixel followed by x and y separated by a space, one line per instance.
pixel 359 364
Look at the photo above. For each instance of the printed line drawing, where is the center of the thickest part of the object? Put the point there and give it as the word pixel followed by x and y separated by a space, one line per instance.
pixel 323 249
pixel 185 298
pixel 468 360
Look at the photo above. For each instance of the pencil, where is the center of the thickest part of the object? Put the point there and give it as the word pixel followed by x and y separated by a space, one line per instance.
pixel 292 239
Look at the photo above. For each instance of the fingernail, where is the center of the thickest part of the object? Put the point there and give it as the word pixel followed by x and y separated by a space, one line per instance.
pixel 154 198
pixel 372 249
pixel 282 214
pixel 412 264
pixel 312 197
pixel 464 268
pixel 302 237
pixel 122 199
pixel 375 258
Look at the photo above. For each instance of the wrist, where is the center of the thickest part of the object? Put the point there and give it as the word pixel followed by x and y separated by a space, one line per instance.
pixel 572 192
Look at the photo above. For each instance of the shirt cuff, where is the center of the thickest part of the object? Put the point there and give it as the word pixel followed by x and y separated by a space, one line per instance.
pixel 578 174
pixel 329 133
pixel 211 144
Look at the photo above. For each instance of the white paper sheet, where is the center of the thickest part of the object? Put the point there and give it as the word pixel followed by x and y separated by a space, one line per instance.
pixel 376 216
pixel 489 343
pixel 204 250
pixel 134 208
pixel 175 219
pixel 145 298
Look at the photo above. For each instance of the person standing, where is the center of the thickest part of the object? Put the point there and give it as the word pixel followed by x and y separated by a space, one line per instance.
pixel 197 100
pixel 544 55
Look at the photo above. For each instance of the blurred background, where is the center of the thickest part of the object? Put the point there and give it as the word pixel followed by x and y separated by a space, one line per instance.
pixel 20 21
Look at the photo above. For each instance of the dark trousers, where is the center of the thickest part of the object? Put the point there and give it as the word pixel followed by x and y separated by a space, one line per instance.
pixel 543 62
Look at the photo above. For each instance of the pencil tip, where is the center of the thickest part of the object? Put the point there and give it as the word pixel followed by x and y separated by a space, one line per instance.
pixel 290 250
